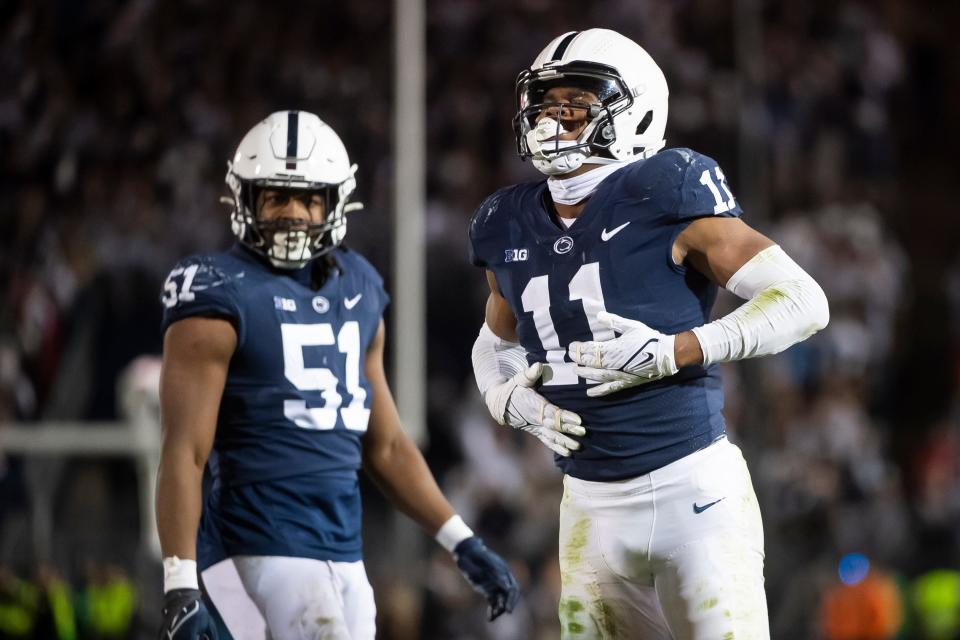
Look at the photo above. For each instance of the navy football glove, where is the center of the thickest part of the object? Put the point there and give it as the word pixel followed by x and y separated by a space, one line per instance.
pixel 185 617
pixel 488 574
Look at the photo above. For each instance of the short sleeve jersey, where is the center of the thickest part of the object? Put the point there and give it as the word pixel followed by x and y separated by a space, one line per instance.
pixel 295 404
pixel 617 257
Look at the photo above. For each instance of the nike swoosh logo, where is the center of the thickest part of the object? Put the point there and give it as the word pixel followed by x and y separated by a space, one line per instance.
pixel 350 303
pixel 647 357
pixel 606 235
pixel 698 509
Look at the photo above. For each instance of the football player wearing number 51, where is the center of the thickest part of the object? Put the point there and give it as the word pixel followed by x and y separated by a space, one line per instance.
pixel 273 379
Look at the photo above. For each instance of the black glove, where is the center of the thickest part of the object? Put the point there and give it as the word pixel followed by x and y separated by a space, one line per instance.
pixel 488 574
pixel 185 617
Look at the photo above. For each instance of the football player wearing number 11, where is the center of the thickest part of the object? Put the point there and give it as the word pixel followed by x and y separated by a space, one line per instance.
pixel 273 379
pixel 598 341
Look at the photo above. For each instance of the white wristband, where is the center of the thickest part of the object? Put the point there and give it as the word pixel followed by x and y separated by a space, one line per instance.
pixel 453 532
pixel 179 574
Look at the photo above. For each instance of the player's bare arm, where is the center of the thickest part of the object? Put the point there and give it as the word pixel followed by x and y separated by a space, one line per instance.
pixel 498 314
pixel 392 459
pixel 196 355
pixel 717 248
pixel 395 463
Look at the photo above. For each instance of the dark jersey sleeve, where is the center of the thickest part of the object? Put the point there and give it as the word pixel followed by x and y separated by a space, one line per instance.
pixel 383 298
pixel 198 286
pixel 370 276
pixel 704 190
pixel 475 260
pixel 484 226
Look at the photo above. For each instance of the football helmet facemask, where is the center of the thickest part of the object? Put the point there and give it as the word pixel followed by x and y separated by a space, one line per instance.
pixel 626 120
pixel 291 151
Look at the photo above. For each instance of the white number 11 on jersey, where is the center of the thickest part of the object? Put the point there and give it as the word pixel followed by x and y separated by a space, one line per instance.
pixel 723 205
pixel 584 286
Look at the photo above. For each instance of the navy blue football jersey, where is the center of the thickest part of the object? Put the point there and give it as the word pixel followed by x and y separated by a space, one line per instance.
pixel 295 405
pixel 617 257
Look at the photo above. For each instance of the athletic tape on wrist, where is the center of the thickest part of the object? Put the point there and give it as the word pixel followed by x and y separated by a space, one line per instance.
pixel 453 532
pixel 179 574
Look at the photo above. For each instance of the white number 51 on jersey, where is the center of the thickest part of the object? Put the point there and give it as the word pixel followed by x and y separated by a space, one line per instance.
pixel 295 338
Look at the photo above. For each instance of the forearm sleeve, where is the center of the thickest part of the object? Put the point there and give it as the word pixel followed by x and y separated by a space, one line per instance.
pixel 495 360
pixel 784 306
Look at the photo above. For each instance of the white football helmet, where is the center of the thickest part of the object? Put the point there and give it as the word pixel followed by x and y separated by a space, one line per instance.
pixel 626 122
pixel 291 150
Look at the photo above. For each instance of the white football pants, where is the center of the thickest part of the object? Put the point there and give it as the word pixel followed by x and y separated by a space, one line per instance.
pixel 673 554
pixel 281 598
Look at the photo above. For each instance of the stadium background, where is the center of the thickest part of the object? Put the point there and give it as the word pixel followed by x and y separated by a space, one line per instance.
pixel 835 123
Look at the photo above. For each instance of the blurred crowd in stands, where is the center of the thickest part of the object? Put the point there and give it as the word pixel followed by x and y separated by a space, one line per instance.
pixel 102 607
pixel 116 119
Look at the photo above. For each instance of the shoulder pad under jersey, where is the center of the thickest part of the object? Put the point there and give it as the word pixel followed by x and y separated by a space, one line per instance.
pixel 201 285
pixel 686 185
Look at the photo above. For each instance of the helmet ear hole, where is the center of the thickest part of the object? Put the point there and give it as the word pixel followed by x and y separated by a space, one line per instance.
pixel 647 119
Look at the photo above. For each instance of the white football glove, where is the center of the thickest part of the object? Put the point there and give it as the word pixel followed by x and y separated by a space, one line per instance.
pixel 638 356
pixel 515 403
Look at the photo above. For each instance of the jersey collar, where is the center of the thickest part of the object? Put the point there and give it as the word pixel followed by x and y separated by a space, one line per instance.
pixel 542 214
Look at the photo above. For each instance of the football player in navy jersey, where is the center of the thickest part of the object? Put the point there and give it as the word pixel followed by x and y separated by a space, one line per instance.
pixel 273 379
pixel 598 341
